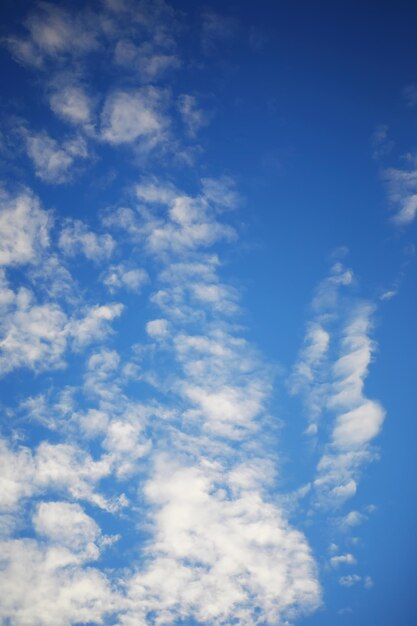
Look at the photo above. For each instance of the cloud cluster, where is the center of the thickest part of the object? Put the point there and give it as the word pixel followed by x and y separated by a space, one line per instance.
pixel 63 45
pixel 217 558
pixel 331 373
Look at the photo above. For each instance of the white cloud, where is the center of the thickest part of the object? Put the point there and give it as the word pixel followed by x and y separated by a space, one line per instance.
pixel 336 384
pixel 49 586
pixel 53 34
pixel 342 559
pixel 152 190
pixel 349 580
pixel 36 335
pixel 193 117
pixel 408 210
pixel 150 61
pixel 95 325
pixel 402 185
pixel 54 161
pixel 221 192
pixel 189 224
pixel 388 294
pixel 122 276
pixel 126 441
pixel 63 468
pixel 357 427
pixel 66 524
pixel 32 335
pixel 24 228
pixel 368 582
pixel 306 375
pixel 216 559
pixel 129 116
pixel 327 293
pixel 71 103
pixel 227 410
pixel 76 238
pixel 351 519
pixel 158 329
pixel 92 423
pixel 15 476
pixel 220 297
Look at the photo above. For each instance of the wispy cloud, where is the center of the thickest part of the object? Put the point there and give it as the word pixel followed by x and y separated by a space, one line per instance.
pixel 403 191
pixel 76 238
pixel 331 374
pixel 53 160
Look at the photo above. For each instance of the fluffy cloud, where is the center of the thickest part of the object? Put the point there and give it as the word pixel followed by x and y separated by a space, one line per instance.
pixel 62 468
pixel 66 524
pixel 36 335
pixel 24 228
pixel 226 410
pixel 358 426
pixel 122 276
pixel 349 580
pixel 54 161
pixel 157 329
pixel 50 586
pixel 342 559
pixel 94 326
pixel 71 103
pixel 53 33
pixel 129 116
pixel 76 238
pixel 218 559
pixel 31 335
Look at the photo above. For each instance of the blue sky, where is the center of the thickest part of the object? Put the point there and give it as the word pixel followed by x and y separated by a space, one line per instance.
pixel 207 358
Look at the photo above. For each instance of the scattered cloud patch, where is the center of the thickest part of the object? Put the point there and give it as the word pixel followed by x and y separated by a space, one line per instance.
pixel 75 238
pixel 24 228
pixel 130 116
pixel 342 559
pixel 54 160
pixel 158 329
pixel 193 117
pixel 72 104
pixel 122 276
pixel 402 184
pixel 349 580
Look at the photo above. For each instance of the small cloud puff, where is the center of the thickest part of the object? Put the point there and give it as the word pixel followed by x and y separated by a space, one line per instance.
pixel 157 329
pixel 53 160
pixel 24 228
pixel 75 238
pixel 132 115
pixel 122 276
pixel 71 103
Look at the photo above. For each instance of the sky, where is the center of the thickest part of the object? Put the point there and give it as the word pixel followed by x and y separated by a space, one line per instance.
pixel 207 291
